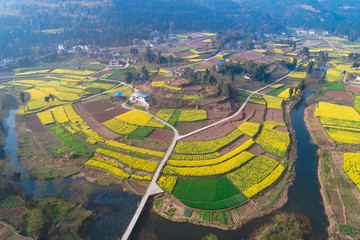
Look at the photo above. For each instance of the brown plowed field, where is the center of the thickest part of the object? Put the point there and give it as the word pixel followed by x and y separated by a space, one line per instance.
pixel 109 114
pixel 237 143
pixel 256 150
pixel 274 115
pixel 95 125
pixel 354 89
pixel 281 129
pixel 161 135
pixel 33 123
pixel 103 111
pixel 207 64
pixel 245 55
pixel 98 75
pixel 340 95
pixel 11 212
pixel 216 132
pixel 259 112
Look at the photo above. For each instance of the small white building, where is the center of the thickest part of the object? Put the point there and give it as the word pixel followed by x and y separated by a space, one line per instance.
pixel 140 98
pixel 358 78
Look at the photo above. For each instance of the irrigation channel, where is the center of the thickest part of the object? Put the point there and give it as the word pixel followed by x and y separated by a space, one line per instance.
pixel 115 207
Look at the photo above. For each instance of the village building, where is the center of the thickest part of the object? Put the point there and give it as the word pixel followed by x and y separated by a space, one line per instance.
pixel 119 97
pixel 141 98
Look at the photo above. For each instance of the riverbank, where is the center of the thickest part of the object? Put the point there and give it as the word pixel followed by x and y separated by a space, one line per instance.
pixel 340 197
pixel 268 201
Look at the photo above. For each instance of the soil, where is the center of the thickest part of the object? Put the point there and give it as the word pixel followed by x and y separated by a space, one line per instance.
pixel 207 64
pixel 98 75
pixel 316 129
pixel 237 143
pixel 245 55
pixel 139 188
pixel 354 89
pixel 161 135
pixel 216 132
pixel 109 114
pixel 11 212
pixel 195 88
pixel 95 125
pixel 274 115
pixel 33 123
pixel 258 112
pixel 281 129
pixel 340 95
pixel 256 150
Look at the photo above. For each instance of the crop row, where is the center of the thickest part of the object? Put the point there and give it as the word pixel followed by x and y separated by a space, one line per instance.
pixel 252 173
pixel 212 170
pixel 204 147
pixel 192 115
pixel 60 115
pixel 110 166
pixel 269 180
pixel 70 140
pixel 74 72
pixel 217 205
pixel 208 162
pixel 352 167
pixel 194 157
pixel 273 141
pixel 141 178
pixel 273 102
pixel 136 163
pixel 223 217
pixel 120 127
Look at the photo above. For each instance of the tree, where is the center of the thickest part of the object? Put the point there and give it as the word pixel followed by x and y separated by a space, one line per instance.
pixel 129 77
pixel 36 221
pixel 291 90
pixel 22 96
pixel 309 67
pixel 145 72
pixel 210 236
pixel 212 80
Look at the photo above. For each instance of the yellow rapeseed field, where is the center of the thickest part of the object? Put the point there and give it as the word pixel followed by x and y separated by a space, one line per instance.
pixel 352 167
pixel 269 180
pixel 298 75
pixel 107 165
pixel 46 117
pixel 333 75
pixel 74 72
pixel 211 170
pixel 135 117
pixel 273 102
pixel 167 183
pixel 335 111
pixel 192 115
pixel 249 128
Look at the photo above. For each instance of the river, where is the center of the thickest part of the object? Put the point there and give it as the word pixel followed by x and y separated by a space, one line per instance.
pixel 115 208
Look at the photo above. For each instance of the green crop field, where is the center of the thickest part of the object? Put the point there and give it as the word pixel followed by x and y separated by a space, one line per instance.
pixel 278 91
pixel 217 205
pixel 206 190
pixel 69 140
pixel 335 86
pixel 141 132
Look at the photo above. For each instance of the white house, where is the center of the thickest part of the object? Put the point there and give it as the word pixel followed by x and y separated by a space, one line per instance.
pixel 140 98
pixel 357 77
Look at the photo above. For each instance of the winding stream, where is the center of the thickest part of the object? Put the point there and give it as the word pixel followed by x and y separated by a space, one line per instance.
pixel 115 208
